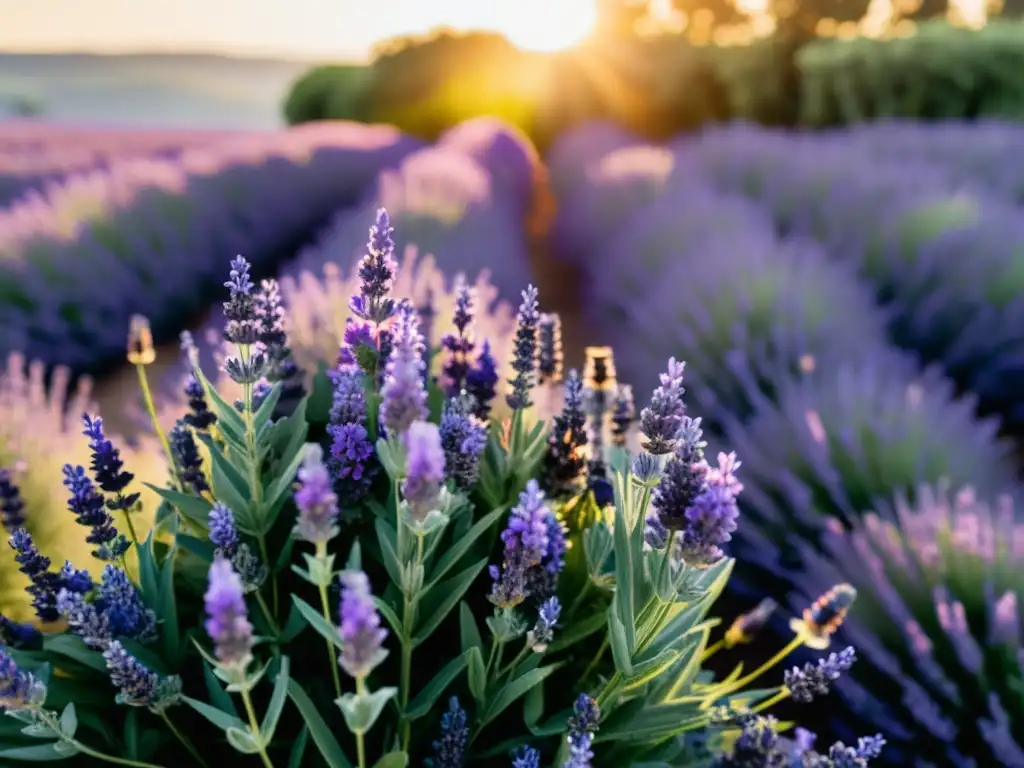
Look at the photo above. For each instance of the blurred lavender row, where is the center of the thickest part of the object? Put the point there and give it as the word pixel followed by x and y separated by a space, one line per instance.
pixel 151 236
pixel 930 220
pixel 35 154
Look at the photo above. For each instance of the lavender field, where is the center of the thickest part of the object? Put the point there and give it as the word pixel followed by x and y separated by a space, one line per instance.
pixel 849 306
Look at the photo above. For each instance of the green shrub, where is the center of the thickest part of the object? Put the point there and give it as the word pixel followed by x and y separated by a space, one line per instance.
pixel 942 72
pixel 336 92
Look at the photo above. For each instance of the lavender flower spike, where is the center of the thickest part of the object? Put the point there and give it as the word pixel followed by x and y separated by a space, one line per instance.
pixel 139 686
pixel 660 421
pixel 350 454
pixel 18 689
pixel 403 396
pixel 524 361
pixel 228 620
pixel 361 633
pixel 463 437
pixel 242 325
pixel 377 273
pixel 450 749
pixel 526 543
pixel 11 505
pixel 90 509
pixel 813 680
pixel 482 382
pixel 108 467
pixel 316 502
pixel 458 345
pixel 424 469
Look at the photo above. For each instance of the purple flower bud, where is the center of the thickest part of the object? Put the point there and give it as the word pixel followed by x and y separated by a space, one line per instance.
pixel 564 461
pixel 90 510
pixel 377 273
pixel 463 437
pixel 458 346
pixel 18 689
pixel 424 468
pixel 403 396
pixel 361 633
pixel 228 620
pixel 139 686
pixel 316 502
pixel 524 361
pixel 11 505
pixel 241 326
pixel 187 460
pixel 549 362
pixel 660 421
pixel 813 680
pixel 482 382
pixel 526 543
pixel 107 466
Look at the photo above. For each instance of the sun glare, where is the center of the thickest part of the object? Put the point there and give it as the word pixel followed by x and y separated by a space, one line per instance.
pixel 546 25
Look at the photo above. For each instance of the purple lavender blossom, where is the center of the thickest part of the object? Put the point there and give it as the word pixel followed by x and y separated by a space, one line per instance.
pixel 660 421
pixel 583 724
pixel 16 635
pixel 316 502
pixel 222 531
pixel 526 757
pixel 403 396
pixel 759 744
pixel 361 633
pixel 813 680
pixel 543 631
pixel 360 347
pixel 564 461
pixel 580 751
pixel 463 437
pixel 139 686
pixel 19 689
pixel 241 326
pixel 350 457
pixel 44 584
pixel 187 460
pixel 377 273
pixel 524 360
pixel 425 462
pixel 549 358
pixel 281 366
pixel 199 417
pixel 12 507
pixel 224 535
pixel 228 619
pixel 450 749
pixel 712 518
pixel 684 478
pixel 458 346
pixel 482 382
pixel 526 543
pixel 116 611
pixel 107 466
pixel 542 579
pixel 90 510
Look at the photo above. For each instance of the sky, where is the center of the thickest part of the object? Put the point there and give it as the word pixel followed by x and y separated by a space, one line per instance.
pixel 334 29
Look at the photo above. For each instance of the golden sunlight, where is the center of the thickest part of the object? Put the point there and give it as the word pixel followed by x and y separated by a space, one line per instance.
pixel 545 25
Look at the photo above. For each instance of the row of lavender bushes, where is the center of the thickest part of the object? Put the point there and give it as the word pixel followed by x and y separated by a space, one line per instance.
pixel 79 258
pixel 849 307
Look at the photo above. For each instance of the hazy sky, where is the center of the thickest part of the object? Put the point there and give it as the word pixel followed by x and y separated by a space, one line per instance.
pixel 308 28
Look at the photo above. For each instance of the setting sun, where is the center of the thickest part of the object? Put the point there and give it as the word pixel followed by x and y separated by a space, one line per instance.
pixel 544 25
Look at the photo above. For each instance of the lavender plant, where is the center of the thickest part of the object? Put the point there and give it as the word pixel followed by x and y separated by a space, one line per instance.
pixel 443 606
pixel 939 638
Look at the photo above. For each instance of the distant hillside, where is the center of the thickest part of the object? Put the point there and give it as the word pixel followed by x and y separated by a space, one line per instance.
pixel 148 90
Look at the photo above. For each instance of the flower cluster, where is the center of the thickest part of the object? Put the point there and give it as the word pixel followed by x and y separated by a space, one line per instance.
pixel 368 525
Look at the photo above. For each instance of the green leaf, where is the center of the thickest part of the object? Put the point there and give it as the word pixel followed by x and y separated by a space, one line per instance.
pixel 40 753
pixel 266 409
pixel 618 641
pixel 230 487
pixel 387 538
pixel 149 581
pixel 533 706
pixel 426 698
pixel 201 548
pixel 476 674
pixel 321 396
pixel 283 487
pixel 450 592
pixel 460 546
pixel 299 749
pixel 229 421
pixel 322 736
pixel 196 509
pixel 288 435
pixel 578 630
pixel 514 690
pixel 219 718
pixel 276 705
pixel 243 740
pixel 69 721
pixel 393 760
pixel 72 647
pixel 469 632
pixel 315 619
pixel 362 710
pixel 167 610
pixel 646 671
pixel 293 626
pixel 623 602
pixel 218 696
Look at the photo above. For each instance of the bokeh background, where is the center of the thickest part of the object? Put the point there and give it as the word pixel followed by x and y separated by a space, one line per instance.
pixel 818 205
